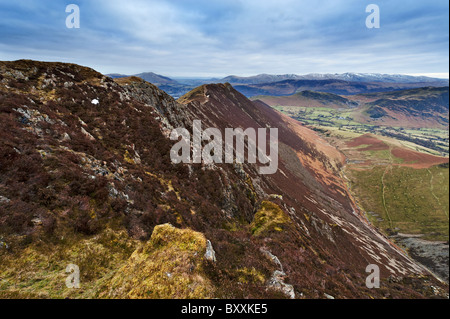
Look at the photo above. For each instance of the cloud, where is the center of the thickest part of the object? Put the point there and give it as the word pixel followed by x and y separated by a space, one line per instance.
pixel 216 38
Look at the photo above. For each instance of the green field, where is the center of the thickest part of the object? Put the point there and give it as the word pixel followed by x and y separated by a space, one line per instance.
pixel 404 199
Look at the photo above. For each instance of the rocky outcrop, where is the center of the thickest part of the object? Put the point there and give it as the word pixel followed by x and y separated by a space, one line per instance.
pixel 277 280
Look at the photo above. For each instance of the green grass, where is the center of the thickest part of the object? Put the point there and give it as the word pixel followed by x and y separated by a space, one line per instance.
pixel 169 265
pixel 38 271
pixel 270 217
pixel 383 155
pixel 416 199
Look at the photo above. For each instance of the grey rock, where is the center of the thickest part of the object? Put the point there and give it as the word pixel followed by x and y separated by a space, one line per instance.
pixel 36 221
pixel 65 137
pixel 272 257
pixel 277 283
pixel 3 199
pixel 210 253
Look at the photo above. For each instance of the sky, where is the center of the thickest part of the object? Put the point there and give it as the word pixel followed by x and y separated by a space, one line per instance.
pixel 216 38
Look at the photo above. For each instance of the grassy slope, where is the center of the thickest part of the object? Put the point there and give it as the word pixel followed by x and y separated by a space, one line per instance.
pixel 39 270
pixel 413 203
pixel 113 265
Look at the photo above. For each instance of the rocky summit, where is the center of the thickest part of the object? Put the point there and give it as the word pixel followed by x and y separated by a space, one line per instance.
pixel 86 179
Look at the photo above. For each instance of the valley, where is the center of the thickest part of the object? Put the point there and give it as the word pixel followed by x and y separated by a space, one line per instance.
pixel 399 175
pixel 322 119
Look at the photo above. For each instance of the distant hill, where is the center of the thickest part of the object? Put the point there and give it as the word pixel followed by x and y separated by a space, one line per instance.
pixel 117 75
pixel 423 104
pixel 170 86
pixel 309 99
pixel 259 79
pixel 156 78
pixel 151 77
pixel 377 77
pixel 288 84
pixel 419 107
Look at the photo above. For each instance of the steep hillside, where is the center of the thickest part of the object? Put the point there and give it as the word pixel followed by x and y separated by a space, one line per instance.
pixel 86 179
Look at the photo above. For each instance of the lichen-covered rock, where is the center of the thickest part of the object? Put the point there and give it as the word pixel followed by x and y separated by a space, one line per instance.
pixel 210 253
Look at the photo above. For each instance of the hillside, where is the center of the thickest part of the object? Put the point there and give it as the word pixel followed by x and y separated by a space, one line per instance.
pixel 151 77
pixel 86 179
pixel 309 99
pixel 420 107
pixel 403 191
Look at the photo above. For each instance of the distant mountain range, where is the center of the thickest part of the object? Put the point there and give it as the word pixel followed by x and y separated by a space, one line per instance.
pixel 287 84
pixel 334 86
pixel 351 77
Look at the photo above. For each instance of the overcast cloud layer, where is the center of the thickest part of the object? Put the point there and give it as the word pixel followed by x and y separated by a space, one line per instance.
pixel 223 37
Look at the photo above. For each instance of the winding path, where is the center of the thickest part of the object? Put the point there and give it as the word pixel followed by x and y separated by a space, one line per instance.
pixel 383 188
pixel 434 195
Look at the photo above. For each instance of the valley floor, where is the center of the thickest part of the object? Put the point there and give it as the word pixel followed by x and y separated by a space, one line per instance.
pixel 404 193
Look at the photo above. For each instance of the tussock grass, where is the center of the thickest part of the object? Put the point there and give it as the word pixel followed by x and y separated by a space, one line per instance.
pixel 169 265
pixel 270 217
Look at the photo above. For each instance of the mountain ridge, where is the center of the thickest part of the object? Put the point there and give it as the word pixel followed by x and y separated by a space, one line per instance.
pixel 86 178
